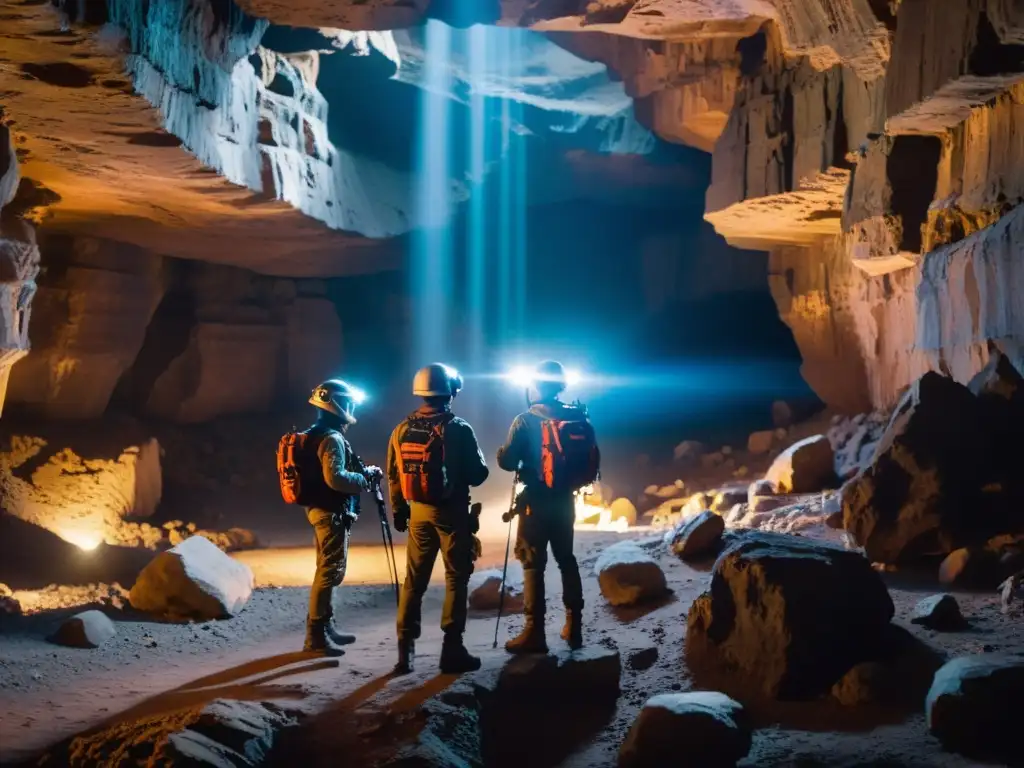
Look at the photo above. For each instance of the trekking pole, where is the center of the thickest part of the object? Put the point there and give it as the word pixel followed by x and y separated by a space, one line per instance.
pixel 385 532
pixel 504 571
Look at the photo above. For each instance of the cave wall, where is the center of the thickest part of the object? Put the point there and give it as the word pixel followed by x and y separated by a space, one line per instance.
pixel 116 328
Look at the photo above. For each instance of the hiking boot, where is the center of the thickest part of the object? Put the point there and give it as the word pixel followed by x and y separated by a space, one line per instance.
pixel 455 659
pixel 572 632
pixel 339 638
pixel 319 642
pixel 406 654
pixel 530 640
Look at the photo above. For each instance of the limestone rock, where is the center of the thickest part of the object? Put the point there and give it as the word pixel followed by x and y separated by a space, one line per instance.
pixel 628 575
pixel 866 683
pixel 89 629
pixel 760 442
pixel 774 599
pixel 969 706
pixel 804 467
pixel 921 495
pixel 707 727
pixel 193 580
pixel 485 590
pixel 727 498
pixel 983 566
pixel 941 612
pixel 623 509
pixel 9 605
pixel 697 536
pixel 222 734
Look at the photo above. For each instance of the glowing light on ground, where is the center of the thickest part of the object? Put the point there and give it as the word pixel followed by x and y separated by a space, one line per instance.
pixel 592 515
pixel 85 539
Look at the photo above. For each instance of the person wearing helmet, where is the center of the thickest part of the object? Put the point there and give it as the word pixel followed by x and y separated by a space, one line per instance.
pixel 548 505
pixel 433 461
pixel 335 506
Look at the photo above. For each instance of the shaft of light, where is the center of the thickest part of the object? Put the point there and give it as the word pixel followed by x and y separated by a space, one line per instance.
pixel 477 241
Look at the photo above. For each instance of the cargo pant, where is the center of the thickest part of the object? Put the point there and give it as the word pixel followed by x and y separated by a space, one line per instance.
pixel 331 534
pixel 544 522
pixel 430 533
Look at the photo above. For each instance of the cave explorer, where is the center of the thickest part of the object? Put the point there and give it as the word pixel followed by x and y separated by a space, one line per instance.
pixel 330 486
pixel 553 448
pixel 433 461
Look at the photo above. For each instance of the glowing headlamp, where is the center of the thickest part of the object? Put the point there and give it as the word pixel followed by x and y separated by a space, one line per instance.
pixel 357 395
pixel 522 376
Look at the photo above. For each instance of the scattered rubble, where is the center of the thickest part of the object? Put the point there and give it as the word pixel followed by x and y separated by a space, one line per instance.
pixel 89 629
pixel 9 605
pixel 804 467
pixel 193 580
pixel 222 733
pixel 970 706
pixel 628 575
pixel 56 597
pixel 709 728
pixel 697 536
pixel 984 566
pixel 485 590
pixel 774 600
pixel 939 612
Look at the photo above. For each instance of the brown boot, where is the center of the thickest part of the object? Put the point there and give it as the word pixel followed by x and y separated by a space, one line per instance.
pixel 455 658
pixel 572 632
pixel 406 654
pixel 530 640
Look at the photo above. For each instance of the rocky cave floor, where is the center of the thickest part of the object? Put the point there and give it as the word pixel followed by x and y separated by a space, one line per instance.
pixel 48 693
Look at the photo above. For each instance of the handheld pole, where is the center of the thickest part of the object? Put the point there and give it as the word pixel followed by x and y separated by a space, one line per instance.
pixel 389 544
pixel 508 543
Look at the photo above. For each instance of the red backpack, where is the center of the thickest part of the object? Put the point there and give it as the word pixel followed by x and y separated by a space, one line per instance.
pixel 293 455
pixel 421 468
pixel 569 457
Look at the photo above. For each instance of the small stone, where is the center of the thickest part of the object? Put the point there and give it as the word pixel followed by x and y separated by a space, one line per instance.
pixel 741 472
pixel 697 536
pixel 89 629
pixel 939 612
pixel 643 659
pixel 726 450
pixel 688 451
pixel 627 575
pixel 485 590
pixel 709 728
pixel 804 467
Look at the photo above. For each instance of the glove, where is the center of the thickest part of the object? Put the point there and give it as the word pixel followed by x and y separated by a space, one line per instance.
pixel 401 521
pixel 372 473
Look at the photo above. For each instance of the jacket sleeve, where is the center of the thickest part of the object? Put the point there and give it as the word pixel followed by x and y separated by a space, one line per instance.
pixel 472 464
pixel 333 461
pixel 398 502
pixel 514 449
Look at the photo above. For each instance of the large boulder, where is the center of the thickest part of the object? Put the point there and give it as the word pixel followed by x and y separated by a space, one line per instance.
pixel 971 707
pixel 623 509
pixel 939 612
pixel 628 575
pixel 706 727
pixel 9 605
pixel 697 536
pixel 89 629
pixel 788 615
pixel 193 580
pixel 922 493
pixel 804 467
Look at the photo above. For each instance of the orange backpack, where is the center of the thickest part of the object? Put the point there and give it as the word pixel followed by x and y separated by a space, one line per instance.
pixel 421 468
pixel 569 457
pixel 293 453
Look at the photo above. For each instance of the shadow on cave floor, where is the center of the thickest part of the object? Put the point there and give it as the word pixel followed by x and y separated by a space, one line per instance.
pixel 540 736
pixel 629 613
pixel 910 664
pixel 33 558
